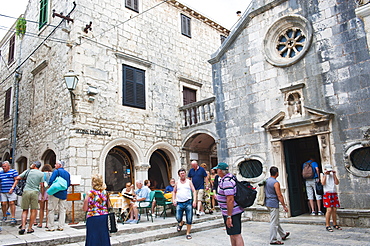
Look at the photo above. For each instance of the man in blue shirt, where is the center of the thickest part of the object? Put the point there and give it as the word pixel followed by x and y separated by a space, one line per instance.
pixel 8 183
pixel 198 176
pixel 311 187
pixel 58 201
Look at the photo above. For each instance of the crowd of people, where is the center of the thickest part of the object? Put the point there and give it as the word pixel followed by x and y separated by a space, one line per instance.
pixel 34 196
pixel 198 190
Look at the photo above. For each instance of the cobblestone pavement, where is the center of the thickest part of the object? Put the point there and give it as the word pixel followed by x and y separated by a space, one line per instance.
pixel 257 233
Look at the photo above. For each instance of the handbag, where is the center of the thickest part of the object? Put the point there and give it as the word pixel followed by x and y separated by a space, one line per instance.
pixel 112 223
pixel 21 184
pixel 261 195
pixel 59 184
pixel 319 188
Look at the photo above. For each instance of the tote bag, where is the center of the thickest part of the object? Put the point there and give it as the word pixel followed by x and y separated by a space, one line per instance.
pixel 21 184
pixel 58 185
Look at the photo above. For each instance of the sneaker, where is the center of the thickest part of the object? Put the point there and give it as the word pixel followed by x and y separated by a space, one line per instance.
pixel 133 222
pixel 129 221
pixel 201 213
pixel 320 213
pixel 313 213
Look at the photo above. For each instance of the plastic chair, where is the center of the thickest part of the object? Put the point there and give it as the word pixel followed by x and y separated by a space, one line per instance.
pixel 161 201
pixel 149 206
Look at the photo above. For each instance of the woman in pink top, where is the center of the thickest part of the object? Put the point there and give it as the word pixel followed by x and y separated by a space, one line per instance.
pixel 96 205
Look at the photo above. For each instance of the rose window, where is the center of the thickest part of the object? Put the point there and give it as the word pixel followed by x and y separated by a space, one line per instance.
pixel 291 43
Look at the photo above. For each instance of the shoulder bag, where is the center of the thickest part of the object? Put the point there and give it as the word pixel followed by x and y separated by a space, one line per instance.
pixel 112 223
pixel 59 184
pixel 21 184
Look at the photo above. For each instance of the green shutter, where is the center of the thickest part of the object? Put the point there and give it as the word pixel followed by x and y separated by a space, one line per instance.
pixel 43 18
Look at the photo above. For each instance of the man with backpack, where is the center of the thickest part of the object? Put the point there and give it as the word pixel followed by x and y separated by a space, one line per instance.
pixel 310 172
pixel 231 211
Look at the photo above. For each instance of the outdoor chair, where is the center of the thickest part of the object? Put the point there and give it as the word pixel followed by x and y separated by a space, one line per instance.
pixel 161 201
pixel 149 206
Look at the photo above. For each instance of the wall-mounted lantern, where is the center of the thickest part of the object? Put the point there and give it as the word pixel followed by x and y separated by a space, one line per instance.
pixel 71 82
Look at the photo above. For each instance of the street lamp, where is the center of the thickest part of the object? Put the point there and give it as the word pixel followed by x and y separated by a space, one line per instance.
pixel 71 82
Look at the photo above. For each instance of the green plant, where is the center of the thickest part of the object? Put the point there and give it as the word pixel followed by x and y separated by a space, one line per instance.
pixel 20 27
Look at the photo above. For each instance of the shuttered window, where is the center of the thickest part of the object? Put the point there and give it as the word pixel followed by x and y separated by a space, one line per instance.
pixel 8 96
pixel 43 18
pixel 185 26
pixel 11 49
pixel 133 5
pixel 133 87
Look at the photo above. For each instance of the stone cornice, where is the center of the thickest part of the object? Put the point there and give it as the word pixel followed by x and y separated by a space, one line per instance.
pixel 40 67
pixel 199 16
pixel 134 59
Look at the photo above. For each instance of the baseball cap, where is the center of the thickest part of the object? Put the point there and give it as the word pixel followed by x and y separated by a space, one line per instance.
pixel 328 167
pixel 37 164
pixel 222 166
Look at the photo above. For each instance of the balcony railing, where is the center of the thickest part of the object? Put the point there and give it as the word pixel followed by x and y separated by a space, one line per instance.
pixel 198 113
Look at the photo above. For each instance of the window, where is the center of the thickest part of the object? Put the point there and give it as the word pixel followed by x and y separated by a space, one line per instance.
pixel 185 26
pixel 250 168
pixel 133 87
pixel 133 5
pixel 8 96
pixel 360 159
pixel 11 49
pixel 43 19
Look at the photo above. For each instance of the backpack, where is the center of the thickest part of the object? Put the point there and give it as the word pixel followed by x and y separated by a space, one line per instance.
pixel 245 193
pixel 307 172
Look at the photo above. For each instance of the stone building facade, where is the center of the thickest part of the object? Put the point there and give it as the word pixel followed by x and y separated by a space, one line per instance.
pixel 143 105
pixel 292 81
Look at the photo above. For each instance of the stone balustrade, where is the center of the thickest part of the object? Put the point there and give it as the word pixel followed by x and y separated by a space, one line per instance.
pixel 197 113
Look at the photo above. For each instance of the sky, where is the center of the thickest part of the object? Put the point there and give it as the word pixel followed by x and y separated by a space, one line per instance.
pixel 221 11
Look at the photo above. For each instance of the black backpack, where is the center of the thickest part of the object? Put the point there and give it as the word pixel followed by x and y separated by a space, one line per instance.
pixel 245 193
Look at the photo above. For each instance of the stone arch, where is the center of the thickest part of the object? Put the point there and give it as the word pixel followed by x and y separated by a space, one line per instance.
pixel 132 149
pixel 49 157
pixel 201 145
pixel 166 160
pixel 21 164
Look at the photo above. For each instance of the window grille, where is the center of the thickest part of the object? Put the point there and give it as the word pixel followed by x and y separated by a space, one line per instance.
pixel 360 159
pixel 250 168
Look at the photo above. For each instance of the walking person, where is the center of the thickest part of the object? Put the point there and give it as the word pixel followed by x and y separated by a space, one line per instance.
pixel 329 181
pixel 231 212
pixel 182 199
pixel 58 202
pixel 96 205
pixel 198 177
pixel 44 197
pixel 273 197
pixel 34 182
pixel 8 197
pixel 311 186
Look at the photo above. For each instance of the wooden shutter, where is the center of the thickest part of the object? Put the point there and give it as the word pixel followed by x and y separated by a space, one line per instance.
pixel 11 49
pixel 43 18
pixel 189 96
pixel 185 26
pixel 133 87
pixel 8 96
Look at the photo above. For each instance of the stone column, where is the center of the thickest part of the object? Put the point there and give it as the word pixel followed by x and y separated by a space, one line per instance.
pixel 324 146
pixel 142 171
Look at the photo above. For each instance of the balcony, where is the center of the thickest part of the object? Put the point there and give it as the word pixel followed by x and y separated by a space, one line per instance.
pixel 197 113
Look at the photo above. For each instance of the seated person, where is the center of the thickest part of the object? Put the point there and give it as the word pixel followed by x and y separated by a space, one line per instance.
pixel 142 194
pixel 169 189
pixel 128 194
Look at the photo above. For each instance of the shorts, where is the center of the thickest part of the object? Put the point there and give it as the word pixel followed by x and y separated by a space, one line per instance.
pixel 46 196
pixel 142 204
pixel 311 188
pixel 331 200
pixel 200 195
pixel 30 199
pixel 186 207
pixel 237 224
pixel 6 197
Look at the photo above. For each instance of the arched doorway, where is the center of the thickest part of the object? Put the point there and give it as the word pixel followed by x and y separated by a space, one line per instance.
pixel 118 169
pixel 160 168
pixel 49 157
pixel 22 164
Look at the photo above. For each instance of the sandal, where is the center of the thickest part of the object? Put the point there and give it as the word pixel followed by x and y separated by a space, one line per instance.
pixel 277 243
pixel 39 226
pixel 188 237
pixel 31 231
pixel 337 227
pixel 21 231
pixel 179 227
pixel 286 235
pixel 328 228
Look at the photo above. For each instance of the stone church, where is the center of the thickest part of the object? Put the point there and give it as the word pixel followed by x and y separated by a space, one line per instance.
pixel 143 105
pixel 292 81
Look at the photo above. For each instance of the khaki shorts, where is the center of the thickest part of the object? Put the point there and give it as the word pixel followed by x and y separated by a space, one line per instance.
pixel 200 195
pixel 30 199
